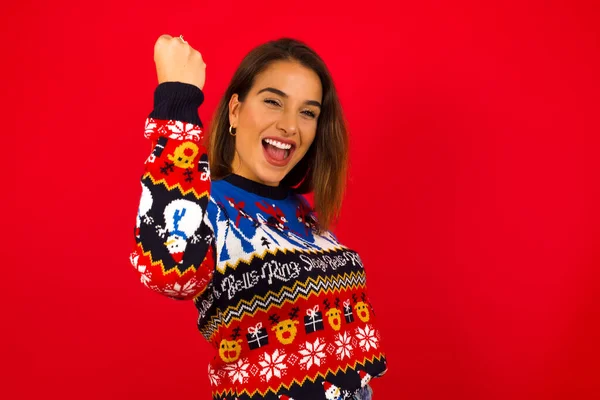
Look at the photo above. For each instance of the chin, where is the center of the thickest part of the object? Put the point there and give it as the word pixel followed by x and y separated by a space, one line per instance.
pixel 271 176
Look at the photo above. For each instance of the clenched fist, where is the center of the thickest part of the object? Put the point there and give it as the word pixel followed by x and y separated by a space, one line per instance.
pixel 177 61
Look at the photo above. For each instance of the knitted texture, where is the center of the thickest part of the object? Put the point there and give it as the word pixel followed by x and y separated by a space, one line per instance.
pixel 285 308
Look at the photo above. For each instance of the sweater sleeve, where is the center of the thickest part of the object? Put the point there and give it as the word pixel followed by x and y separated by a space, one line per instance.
pixel 174 240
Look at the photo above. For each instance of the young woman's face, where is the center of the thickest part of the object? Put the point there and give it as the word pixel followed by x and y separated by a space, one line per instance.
pixel 276 123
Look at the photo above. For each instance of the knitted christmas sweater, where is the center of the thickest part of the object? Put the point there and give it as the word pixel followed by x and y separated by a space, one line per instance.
pixel 285 308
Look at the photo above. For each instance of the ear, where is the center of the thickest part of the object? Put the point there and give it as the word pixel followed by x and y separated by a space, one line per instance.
pixel 234 110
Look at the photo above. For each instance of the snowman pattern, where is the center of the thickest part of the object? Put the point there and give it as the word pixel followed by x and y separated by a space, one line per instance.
pixel 182 220
pixel 332 392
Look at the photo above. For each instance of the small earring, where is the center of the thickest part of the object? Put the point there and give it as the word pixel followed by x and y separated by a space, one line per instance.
pixel 232 133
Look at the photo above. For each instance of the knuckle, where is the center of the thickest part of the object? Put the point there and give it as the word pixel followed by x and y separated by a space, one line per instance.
pixel 161 43
pixel 198 59
pixel 163 38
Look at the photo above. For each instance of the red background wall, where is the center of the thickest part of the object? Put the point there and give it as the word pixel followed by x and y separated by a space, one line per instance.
pixel 473 196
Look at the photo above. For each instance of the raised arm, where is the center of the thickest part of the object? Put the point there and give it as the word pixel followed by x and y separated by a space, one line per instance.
pixel 174 241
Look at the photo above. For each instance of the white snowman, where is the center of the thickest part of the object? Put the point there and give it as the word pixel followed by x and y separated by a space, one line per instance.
pixel 182 218
pixel 332 392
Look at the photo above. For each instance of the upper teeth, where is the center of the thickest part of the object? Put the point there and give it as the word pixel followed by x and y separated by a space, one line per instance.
pixel 283 146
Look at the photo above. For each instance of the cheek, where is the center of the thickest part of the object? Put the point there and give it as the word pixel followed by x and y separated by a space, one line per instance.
pixel 252 123
pixel 255 118
pixel 307 139
pixel 247 136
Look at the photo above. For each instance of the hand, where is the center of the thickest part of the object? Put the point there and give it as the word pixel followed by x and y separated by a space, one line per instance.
pixel 177 61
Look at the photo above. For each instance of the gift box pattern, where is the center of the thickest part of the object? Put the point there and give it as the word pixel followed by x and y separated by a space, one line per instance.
pixel 313 320
pixel 257 336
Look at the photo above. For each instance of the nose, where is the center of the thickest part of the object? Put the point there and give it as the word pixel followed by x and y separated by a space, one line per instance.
pixel 288 123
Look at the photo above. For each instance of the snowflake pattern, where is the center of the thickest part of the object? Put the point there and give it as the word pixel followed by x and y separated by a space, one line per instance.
pixel 141 268
pixel 133 259
pixel 156 288
pixel 145 278
pixel 312 354
pixel 150 127
pixel 367 338
pixel 238 371
pixel 178 290
pixel 183 131
pixel 344 347
pixel 272 365
pixel 214 378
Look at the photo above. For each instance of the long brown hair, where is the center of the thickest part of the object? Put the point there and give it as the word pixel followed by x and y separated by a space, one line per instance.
pixel 323 168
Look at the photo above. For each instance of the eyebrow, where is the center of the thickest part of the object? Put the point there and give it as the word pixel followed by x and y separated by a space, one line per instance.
pixel 282 94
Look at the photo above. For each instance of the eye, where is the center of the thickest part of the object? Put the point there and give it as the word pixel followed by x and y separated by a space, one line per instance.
pixel 309 113
pixel 272 102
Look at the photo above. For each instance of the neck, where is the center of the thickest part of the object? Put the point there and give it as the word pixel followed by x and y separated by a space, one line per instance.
pixel 248 174
pixel 256 187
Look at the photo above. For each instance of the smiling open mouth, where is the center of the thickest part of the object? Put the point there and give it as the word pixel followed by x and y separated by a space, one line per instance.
pixel 277 152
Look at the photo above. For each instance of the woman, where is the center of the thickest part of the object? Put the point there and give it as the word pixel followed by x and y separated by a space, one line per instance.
pixel 281 300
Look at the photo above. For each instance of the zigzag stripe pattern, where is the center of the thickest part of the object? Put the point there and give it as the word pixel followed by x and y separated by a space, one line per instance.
pixel 147 255
pixel 318 286
pixel 178 186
